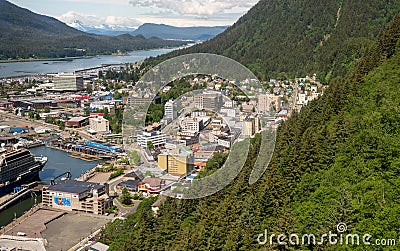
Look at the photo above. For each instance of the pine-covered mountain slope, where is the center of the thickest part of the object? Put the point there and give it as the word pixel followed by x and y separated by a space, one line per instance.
pixel 337 161
pixel 279 38
pixel 24 34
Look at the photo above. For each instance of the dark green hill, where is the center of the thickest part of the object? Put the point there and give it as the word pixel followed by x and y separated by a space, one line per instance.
pixel 288 38
pixel 24 34
pixel 337 161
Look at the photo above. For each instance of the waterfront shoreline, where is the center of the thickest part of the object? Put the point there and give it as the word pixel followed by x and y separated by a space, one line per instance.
pixel 45 59
pixel 81 57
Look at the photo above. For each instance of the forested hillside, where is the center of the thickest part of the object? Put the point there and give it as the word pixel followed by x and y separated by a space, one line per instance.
pixel 337 161
pixel 24 34
pixel 296 38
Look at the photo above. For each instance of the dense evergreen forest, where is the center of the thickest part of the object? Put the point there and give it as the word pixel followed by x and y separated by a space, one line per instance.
pixel 337 161
pixel 284 39
pixel 24 34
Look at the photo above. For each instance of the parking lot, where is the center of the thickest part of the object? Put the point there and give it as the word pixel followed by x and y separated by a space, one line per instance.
pixel 65 232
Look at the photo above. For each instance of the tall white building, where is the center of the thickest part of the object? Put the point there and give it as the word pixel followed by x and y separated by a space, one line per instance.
pixel 170 110
pixel 156 138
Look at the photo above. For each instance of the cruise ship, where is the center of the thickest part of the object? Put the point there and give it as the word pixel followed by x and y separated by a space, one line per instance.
pixel 18 167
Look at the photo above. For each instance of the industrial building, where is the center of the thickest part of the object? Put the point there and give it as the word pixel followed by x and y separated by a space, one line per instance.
pixel 72 195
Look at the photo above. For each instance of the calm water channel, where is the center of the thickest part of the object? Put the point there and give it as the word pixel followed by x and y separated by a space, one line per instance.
pixel 41 67
pixel 58 163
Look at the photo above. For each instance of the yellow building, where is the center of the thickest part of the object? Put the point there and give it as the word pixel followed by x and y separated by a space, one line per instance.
pixel 177 161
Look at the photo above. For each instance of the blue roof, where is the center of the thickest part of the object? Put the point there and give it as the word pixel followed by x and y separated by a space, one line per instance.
pixel 100 146
pixel 18 129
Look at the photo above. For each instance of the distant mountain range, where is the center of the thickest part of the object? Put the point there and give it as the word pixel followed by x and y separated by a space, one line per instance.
pixel 24 34
pixel 153 30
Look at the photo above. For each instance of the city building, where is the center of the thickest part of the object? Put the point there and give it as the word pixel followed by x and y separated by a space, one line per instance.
pixel 189 124
pixel 135 100
pixel 131 185
pixel 177 161
pixel 101 105
pixel 302 99
pixel 33 103
pixel 67 82
pixel 230 104
pixel 268 101
pixel 251 126
pixel 248 127
pixel 174 144
pixel 170 110
pixel 208 101
pixel 73 195
pixel 263 103
pixel 98 124
pixel 229 112
pixel 155 137
pixel 151 185
pixel 225 141
pixel 257 124
pixel 198 114
pixel 76 122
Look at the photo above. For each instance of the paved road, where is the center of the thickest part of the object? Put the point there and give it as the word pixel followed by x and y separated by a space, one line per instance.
pixel 125 211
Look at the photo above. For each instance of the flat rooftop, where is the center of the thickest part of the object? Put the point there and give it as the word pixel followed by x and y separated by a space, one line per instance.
pixel 77 119
pixel 74 186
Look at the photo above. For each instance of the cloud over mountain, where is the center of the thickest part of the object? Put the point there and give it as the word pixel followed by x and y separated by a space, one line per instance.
pixel 195 7
pixel 96 21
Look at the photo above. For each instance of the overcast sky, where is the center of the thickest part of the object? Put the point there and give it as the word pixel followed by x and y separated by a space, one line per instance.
pixel 132 13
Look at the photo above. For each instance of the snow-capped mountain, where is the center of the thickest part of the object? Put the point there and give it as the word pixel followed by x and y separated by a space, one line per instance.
pixel 77 25
pixel 103 29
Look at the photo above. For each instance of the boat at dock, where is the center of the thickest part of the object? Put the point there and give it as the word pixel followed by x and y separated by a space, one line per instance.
pixel 18 167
